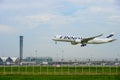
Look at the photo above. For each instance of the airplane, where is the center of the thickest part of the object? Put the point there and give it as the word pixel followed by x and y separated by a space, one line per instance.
pixel 84 41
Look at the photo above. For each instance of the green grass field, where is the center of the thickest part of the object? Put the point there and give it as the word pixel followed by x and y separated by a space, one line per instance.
pixel 59 73
pixel 65 77
pixel 50 70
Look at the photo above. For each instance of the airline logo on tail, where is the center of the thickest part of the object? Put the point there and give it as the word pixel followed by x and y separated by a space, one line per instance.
pixel 112 34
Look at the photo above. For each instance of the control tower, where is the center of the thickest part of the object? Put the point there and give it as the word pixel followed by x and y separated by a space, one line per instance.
pixel 21 48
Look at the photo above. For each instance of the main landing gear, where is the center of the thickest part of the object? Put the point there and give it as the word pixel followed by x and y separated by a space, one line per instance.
pixel 83 45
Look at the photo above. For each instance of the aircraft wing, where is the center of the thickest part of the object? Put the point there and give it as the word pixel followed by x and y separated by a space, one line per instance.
pixel 85 40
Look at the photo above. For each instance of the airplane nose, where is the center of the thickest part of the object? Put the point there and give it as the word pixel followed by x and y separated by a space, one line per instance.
pixel 53 38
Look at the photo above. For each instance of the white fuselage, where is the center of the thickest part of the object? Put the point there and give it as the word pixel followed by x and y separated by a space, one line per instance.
pixel 77 40
pixel 99 41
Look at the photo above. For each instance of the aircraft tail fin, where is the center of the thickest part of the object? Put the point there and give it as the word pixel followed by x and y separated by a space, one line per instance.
pixel 110 35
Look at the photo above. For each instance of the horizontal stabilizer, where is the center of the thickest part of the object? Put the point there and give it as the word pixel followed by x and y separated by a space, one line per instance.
pixel 112 40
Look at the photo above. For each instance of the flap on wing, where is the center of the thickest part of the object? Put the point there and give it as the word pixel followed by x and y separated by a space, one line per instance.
pixel 85 40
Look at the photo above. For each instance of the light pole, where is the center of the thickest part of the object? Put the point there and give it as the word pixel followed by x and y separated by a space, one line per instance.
pixel 116 64
pixel 82 67
pixel 110 67
pixel 89 63
pixel 36 56
pixel 96 66
pixel 103 63
pixel 75 65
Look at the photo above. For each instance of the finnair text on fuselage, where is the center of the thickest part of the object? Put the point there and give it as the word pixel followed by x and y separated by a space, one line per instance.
pixel 68 37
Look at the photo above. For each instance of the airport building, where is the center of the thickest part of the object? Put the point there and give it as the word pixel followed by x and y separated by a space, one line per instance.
pixel 26 61
pixel 37 60
pixel 51 61
pixel 9 60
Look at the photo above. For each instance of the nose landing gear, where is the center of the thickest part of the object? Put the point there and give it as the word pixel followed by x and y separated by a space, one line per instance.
pixel 55 42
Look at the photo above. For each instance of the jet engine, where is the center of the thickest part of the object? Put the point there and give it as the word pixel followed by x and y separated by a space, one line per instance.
pixel 78 41
pixel 74 43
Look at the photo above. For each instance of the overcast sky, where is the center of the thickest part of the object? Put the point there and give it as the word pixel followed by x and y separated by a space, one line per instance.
pixel 39 20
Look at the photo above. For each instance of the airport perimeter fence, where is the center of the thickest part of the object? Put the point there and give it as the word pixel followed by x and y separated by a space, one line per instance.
pixel 60 70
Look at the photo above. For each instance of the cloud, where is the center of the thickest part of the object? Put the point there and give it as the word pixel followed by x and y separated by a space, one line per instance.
pixel 34 21
pixel 115 19
pixel 12 5
pixel 117 3
pixel 50 5
pixel 40 18
pixel 101 9
pixel 6 29
pixel 90 1
pixel 28 5
pixel 53 13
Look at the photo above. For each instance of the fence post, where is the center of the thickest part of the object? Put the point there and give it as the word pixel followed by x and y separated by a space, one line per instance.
pixel 96 69
pixel 55 69
pixel 33 68
pixel 11 68
pixel 89 68
pixel 47 69
pixel 109 69
pixel 26 68
pixel 75 68
pixel 102 68
pixel 40 69
pixel 82 68
pixel 4 69
pixel 116 69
